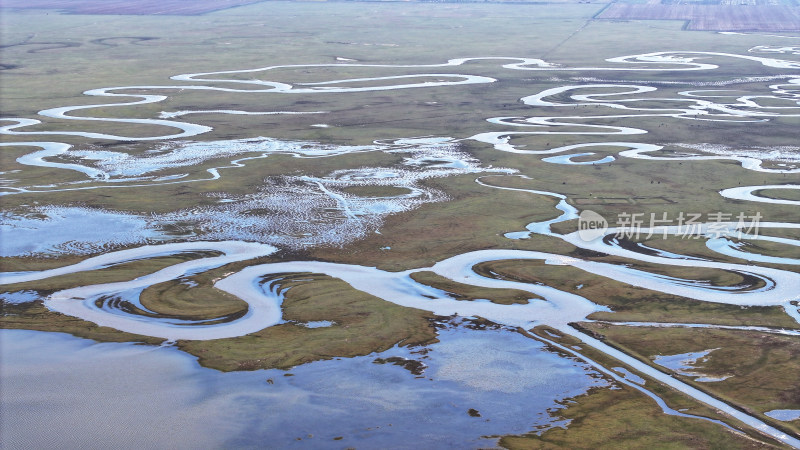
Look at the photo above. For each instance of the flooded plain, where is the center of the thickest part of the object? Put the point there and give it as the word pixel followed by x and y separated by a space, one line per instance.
pixel 476 384
pixel 513 383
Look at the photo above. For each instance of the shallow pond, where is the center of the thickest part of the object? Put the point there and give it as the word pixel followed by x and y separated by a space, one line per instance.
pixel 73 392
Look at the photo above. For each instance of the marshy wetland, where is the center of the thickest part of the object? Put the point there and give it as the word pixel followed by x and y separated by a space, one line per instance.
pixel 288 224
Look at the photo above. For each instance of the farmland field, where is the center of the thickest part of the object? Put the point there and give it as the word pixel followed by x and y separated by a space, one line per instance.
pixel 143 7
pixel 712 17
pixel 399 225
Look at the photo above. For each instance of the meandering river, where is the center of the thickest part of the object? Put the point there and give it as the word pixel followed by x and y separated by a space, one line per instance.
pixel 426 158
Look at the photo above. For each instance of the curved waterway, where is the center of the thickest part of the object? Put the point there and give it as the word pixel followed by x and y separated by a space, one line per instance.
pixel 557 309
pixel 102 303
pixel 690 105
pixel 750 193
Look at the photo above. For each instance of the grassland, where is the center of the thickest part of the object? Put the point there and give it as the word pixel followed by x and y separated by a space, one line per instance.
pixel 625 418
pixel 50 59
pixel 120 272
pixel 636 420
pixel 34 316
pixel 629 303
pixel 461 291
pixel 362 324
pixel 758 371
